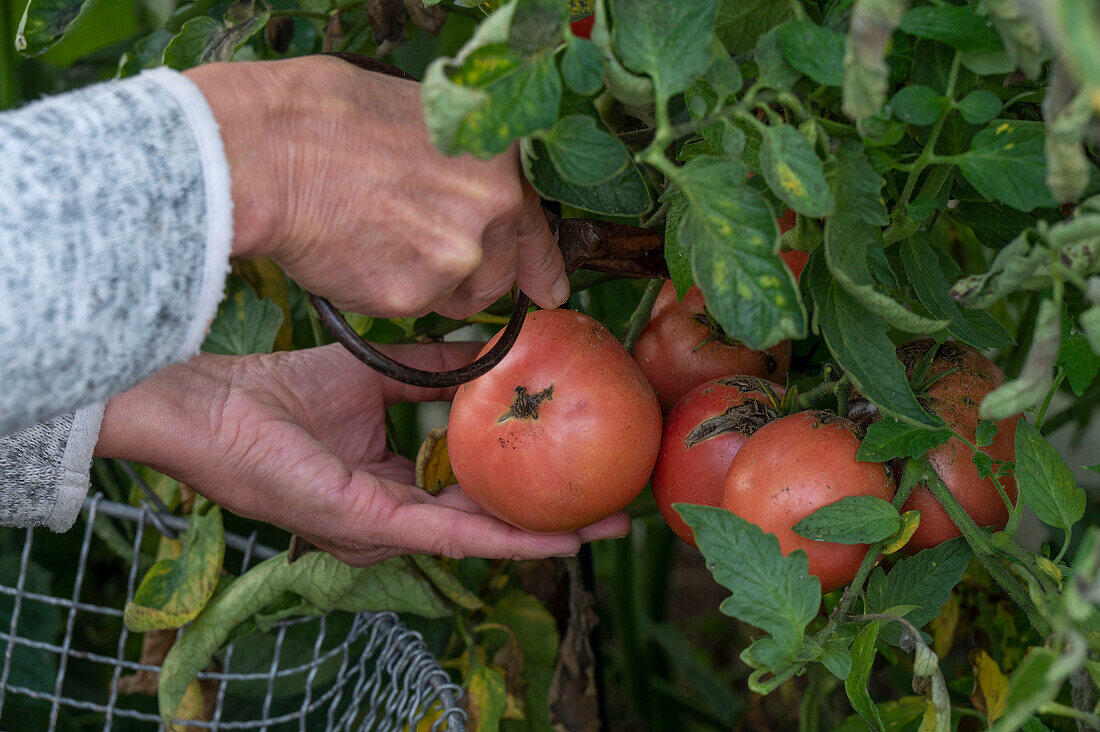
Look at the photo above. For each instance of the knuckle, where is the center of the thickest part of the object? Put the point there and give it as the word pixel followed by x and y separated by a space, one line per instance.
pixel 456 256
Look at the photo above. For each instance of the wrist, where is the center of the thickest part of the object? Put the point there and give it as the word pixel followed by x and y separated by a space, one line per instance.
pixel 246 101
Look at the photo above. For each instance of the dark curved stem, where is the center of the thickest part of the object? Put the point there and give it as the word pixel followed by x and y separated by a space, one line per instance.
pixel 383 364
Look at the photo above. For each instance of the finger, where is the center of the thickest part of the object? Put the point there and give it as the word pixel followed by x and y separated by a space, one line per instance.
pixel 437 529
pixel 541 269
pixel 615 526
pixel 495 277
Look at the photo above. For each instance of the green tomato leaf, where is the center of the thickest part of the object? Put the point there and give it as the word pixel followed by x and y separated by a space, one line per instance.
pixel 888 439
pixel 917 104
pixel 793 171
pixel 245 324
pixel 732 237
pixel 45 23
pixel 813 50
pixel 741 22
pixel 775 72
pixel 985 433
pixel 851 520
pixel 175 590
pixel 1079 362
pixel 1090 326
pixel 923 581
pixel 958 27
pixel 677 258
pixel 499 87
pixel 583 153
pixel 204 40
pixel 850 238
pixel 859 343
pixel 666 39
pixel 626 194
pixel 837 658
pixel 863 658
pixel 1006 163
pixel 536 632
pixel 774 593
pixel 318 578
pixel 974 327
pixel 979 107
pixel 582 66
pixel 1045 481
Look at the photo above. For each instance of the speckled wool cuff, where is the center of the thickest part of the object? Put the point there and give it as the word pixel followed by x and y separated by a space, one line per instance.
pixel 115 233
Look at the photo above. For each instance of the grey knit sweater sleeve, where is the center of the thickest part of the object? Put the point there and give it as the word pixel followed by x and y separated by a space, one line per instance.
pixel 115 230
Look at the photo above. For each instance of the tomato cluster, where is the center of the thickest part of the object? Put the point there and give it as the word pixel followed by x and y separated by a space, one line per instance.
pixel 568 430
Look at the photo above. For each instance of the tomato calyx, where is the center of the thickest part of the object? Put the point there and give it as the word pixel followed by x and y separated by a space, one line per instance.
pixel 745 418
pixel 526 405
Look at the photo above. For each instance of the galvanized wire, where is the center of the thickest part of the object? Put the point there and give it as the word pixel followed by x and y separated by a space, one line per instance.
pixel 386 678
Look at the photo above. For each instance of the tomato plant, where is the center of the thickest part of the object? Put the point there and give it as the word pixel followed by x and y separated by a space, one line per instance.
pixel 702 434
pixel 935 168
pixel 562 433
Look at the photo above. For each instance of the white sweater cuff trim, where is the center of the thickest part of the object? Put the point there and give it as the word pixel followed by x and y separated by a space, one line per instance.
pixel 76 466
pixel 219 201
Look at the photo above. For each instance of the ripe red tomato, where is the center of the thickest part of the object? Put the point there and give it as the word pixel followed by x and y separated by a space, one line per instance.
pixel 955 399
pixel 562 433
pixel 795 465
pixel 702 434
pixel 583 28
pixel 681 348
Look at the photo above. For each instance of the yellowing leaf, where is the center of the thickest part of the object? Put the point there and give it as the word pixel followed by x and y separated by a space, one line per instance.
pixel 990 685
pixel 192 708
pixel 944 626
pixel 485 698
pixel 268 280
pixel 910 520
pixel 433 462
pixel 178 586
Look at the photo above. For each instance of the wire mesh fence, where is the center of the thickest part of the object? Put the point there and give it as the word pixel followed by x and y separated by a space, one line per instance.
pixel 69 661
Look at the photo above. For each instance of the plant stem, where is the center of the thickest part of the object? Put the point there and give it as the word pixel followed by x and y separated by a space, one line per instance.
pixel 1082 406
pixel 1058 379
pixel 926 158
pixel 9 77
pixel 979 543
pixel 640 317
pixel 1067 711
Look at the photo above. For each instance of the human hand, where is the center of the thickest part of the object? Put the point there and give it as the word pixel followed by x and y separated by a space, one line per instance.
pixel 298 439
pixel 335 177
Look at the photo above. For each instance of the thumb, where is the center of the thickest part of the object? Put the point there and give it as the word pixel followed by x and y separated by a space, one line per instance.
pixel 540 269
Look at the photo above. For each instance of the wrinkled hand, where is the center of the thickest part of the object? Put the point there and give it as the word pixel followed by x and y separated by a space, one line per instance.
pixel 298 439
pixel 335 177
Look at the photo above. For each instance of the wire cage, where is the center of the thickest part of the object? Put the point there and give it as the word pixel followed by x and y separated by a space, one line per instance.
pixel 69 661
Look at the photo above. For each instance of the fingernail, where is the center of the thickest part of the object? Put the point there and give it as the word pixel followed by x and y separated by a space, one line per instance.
pixel 567 554
pixel 560 290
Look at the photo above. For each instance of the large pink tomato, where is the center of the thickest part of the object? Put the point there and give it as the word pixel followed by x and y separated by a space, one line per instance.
pixel 702 434
pixel 562 433
pixel 795 465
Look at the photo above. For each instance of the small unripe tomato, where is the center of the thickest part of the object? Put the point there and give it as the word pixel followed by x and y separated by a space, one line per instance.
pixel 682 347
pixel 795 465
pixel 955 399
pixel 702 434
pixel 560 434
